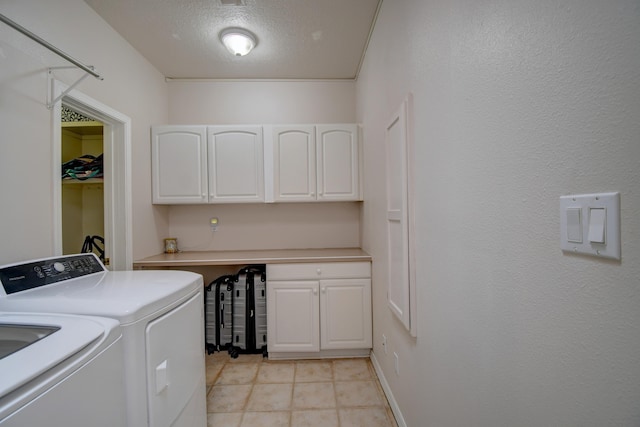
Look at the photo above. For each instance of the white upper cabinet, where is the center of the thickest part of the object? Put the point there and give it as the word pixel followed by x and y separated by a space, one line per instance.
pixel 226 164
pixel 294 163
pixel 207 164
pixel 236 164
pixel 316 163
pixel 337 157
pixel 179 164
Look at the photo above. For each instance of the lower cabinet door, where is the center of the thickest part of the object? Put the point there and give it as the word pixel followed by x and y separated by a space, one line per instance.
pixel 293 316
pixel 345 313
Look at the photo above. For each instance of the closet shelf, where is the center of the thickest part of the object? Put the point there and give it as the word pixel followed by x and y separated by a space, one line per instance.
pixel 83 182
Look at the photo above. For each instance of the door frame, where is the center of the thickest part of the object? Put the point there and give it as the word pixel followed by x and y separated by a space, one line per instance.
pixel 117 163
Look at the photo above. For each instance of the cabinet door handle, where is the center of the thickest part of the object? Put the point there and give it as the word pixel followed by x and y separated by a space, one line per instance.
pixel 324 290
pixel 315 291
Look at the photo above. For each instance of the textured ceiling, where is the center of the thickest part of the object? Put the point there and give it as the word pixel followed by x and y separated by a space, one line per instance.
pixel 297 39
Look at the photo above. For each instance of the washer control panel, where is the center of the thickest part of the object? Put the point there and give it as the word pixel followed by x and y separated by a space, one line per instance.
pixel 34 274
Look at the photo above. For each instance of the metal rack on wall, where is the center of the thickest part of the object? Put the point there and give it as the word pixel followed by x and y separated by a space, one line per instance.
pixel 88 69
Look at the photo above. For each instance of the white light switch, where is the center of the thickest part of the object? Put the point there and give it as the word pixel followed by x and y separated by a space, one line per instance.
pixel 590 224
pixel 574 225
pixel 597 224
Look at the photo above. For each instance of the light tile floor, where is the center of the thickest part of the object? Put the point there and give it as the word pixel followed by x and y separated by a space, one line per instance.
pixel 253 391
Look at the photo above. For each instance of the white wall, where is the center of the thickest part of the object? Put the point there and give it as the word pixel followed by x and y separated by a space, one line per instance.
pixel 260 226
pixel 134 88
pixel 273 102
pixel 266 226
pixel 516 103
pixel 131 86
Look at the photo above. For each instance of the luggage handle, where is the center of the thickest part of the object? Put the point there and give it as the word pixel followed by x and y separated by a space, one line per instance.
pixel 222 315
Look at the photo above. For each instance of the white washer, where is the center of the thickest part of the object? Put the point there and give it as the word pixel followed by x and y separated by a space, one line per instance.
pixel 161 314
pixel 61 370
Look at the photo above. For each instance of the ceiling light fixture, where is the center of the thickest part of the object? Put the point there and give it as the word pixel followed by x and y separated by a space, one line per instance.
pixel 238 41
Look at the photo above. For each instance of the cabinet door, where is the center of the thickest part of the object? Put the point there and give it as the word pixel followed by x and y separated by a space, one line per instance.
pixel 236 164
pixel 294 162
pixel 338 162
pixel 345 313
pixel 293 316
pixel 179 164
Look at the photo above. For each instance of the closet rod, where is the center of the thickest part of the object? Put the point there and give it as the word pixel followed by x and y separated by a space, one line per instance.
pixel 89 69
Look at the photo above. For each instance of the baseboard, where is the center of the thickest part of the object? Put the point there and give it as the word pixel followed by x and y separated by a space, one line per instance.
pixel 387 391
pixel 323 354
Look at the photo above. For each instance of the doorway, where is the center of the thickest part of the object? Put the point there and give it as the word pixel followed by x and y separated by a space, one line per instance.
pixel 82 152
pixel 116 145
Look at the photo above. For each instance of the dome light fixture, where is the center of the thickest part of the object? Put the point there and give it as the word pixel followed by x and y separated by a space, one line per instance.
pixel 238 41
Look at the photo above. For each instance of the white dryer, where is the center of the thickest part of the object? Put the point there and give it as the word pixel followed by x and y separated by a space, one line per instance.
pixel 60 370
pixel 161 314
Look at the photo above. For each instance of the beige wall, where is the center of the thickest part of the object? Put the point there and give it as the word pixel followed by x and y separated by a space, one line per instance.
pixel 134 88
pixel 264 226
pixel 516 103
pixel 267 226
pixel 257 102
pixel 131 86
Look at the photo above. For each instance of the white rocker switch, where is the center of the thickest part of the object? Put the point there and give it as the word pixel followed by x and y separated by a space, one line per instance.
pixel 574 225
pixel 597 222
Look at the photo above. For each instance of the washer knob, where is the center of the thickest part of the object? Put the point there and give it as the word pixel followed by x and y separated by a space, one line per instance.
pixel 59 267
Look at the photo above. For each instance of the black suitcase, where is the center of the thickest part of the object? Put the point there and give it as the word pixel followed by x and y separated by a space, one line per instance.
pixel 218 314
pixel 260 317
pixel 236 312
pixel 250 311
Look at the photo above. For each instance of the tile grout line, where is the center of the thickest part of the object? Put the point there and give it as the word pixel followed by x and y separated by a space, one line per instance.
pixel 335 393
pixel 246 401
pixel 293 385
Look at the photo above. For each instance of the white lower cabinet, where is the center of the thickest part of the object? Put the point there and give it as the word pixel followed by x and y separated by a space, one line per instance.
pixel 319 308
pixel 293 316
pixel 345 313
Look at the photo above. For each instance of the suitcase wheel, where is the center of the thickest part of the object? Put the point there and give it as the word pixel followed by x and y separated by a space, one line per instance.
pixel 233 352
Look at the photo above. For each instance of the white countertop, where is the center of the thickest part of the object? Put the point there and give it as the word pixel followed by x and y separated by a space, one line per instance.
pixel 268 256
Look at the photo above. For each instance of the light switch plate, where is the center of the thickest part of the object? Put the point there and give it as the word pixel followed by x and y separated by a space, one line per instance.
pixel 575 236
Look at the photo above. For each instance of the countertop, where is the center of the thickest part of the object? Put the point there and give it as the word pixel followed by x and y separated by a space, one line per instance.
pixel 270 256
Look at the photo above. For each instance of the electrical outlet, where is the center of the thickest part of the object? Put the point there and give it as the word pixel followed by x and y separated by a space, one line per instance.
pixel 213 222
pixel 384 343
pixel 396 363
